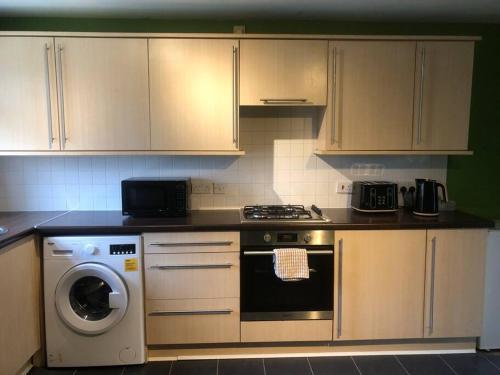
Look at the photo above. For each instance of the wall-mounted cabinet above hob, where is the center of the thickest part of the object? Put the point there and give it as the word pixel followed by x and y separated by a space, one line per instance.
pixel 98 93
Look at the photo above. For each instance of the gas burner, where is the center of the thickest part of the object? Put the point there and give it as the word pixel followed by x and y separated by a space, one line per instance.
pixel 279 213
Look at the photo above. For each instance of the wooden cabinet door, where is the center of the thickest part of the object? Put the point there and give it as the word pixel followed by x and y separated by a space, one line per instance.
pixel 193 86
pixel 28 103
pixel 103 93
pixel 371 99
pixel 20 308
pixel 443 83
pixel 285 72
pixel 379 284
pixel 454 282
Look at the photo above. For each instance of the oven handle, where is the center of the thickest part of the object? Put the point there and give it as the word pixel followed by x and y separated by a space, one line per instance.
pixel 309 252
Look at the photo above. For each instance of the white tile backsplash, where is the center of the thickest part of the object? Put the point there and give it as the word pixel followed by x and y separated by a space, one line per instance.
pixel 279 167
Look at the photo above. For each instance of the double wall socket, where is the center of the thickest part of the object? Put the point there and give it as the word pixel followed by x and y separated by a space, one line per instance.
pixel 201 187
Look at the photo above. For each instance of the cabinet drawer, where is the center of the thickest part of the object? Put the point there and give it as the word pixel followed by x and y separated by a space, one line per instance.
pixel 193 321
pixel 196 275
pixel 189 242
pixel 286 331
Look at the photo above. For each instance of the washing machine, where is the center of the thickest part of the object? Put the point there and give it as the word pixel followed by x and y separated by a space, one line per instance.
pixel 94 302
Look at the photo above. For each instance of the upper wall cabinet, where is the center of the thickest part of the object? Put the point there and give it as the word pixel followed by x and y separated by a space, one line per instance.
pixel 103 93
pixel 443 83
pixel 194 94
pixel 28 104
pixel 371 96
pixel 283 72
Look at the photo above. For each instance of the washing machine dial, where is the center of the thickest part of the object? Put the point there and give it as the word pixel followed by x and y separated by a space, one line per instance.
pixel 90 250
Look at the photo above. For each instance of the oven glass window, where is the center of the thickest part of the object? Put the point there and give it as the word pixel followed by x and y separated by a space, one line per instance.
pixel 263 291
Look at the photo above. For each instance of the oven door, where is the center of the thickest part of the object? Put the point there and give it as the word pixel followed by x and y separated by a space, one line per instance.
pixel 266 297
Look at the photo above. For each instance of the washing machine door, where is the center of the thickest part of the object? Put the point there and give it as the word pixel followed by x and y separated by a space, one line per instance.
pixel 91 298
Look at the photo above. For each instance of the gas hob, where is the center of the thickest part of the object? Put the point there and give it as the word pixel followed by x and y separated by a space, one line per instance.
pixel 266 214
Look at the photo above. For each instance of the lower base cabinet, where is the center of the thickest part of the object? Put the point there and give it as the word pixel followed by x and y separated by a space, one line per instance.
pixel 20 308
pixel 193 321
pixel 454 282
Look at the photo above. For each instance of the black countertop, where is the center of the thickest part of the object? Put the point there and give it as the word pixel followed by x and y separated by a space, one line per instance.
pixel 21 224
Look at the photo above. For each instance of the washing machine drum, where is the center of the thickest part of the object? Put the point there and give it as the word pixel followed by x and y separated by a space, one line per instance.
pixel 91 298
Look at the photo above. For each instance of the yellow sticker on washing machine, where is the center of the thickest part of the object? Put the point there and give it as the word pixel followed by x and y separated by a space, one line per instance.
pixel 130 265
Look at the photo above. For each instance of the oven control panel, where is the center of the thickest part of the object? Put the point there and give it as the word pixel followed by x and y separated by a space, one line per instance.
pixel 293 237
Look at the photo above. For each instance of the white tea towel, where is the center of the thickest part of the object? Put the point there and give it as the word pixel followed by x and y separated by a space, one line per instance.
pixel 291 264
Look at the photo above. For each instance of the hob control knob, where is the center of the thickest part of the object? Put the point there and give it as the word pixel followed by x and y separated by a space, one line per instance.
pixel 267 237
pixel 307 238
pixel 90 250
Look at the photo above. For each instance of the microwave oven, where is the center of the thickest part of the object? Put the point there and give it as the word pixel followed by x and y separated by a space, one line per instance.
pixel 156 197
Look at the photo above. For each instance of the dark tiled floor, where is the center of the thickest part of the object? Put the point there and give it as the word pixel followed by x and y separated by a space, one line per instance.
pixel 450 364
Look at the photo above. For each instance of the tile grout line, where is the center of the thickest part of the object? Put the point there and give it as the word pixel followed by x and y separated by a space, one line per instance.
pixel 401 364
pixel 492 363
pixel 310 367
pixel 356 365
pixel 264 366
pixel 447 364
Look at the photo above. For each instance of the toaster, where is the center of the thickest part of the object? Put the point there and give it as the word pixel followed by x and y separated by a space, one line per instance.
pixel 374 196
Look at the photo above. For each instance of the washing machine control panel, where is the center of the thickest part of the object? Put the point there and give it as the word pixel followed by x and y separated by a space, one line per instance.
pixel 122 249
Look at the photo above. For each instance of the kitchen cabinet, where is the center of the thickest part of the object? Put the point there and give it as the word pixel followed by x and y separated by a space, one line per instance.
pixel 283 72
pixel 103 93
pixel 443 82
pixel 192 287
pixel 379 284
pixel 20 308
pixel 194 94
pixel 370 102
pixel 454 282
pixel 28 98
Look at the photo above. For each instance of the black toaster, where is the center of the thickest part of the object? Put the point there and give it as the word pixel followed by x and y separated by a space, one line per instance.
pixel 374 196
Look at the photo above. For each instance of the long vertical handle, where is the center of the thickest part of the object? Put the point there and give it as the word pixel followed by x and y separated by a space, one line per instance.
pixel 49 100
pixel 421 99
pixel 61 97
pixel 339 289
pixel 334 95
pixel 235 97
pixel 433 277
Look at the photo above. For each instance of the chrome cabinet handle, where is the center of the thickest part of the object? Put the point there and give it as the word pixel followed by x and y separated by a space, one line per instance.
pixel 236 116
pixel 433 277
pixel 191 312
pixel 61 97
pixel 312 252
pixel 334 94
pixel 49 100
pixel 179 244
pixel 339 292
pixel 283 100
pixel 191 266
pixel 421 99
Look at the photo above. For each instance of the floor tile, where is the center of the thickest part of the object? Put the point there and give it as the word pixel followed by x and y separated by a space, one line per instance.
pixel 493 357
pixel 379 365
pixel 254 366
pixel 424 365
pixel 115 370
pixel 288 366
pixel 150 368
pixel 470 364
pixel 44 371
pixel 202 367
pixel 333 366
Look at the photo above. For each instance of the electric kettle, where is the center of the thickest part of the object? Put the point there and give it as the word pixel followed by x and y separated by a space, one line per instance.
pixel 427 198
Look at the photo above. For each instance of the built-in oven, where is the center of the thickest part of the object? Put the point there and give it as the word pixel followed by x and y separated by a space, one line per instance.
pixel 264 296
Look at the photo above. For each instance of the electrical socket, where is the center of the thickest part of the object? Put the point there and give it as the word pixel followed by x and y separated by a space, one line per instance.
pixel 344 187
pixel 219 188
pixel 201 187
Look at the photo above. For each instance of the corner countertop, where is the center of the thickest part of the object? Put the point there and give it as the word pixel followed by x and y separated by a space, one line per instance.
pixel 21 224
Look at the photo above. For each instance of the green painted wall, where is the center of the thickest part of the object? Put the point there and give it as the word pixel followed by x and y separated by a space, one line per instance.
pixel 473 181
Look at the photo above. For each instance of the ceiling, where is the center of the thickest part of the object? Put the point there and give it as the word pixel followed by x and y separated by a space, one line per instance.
pixel 361 10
